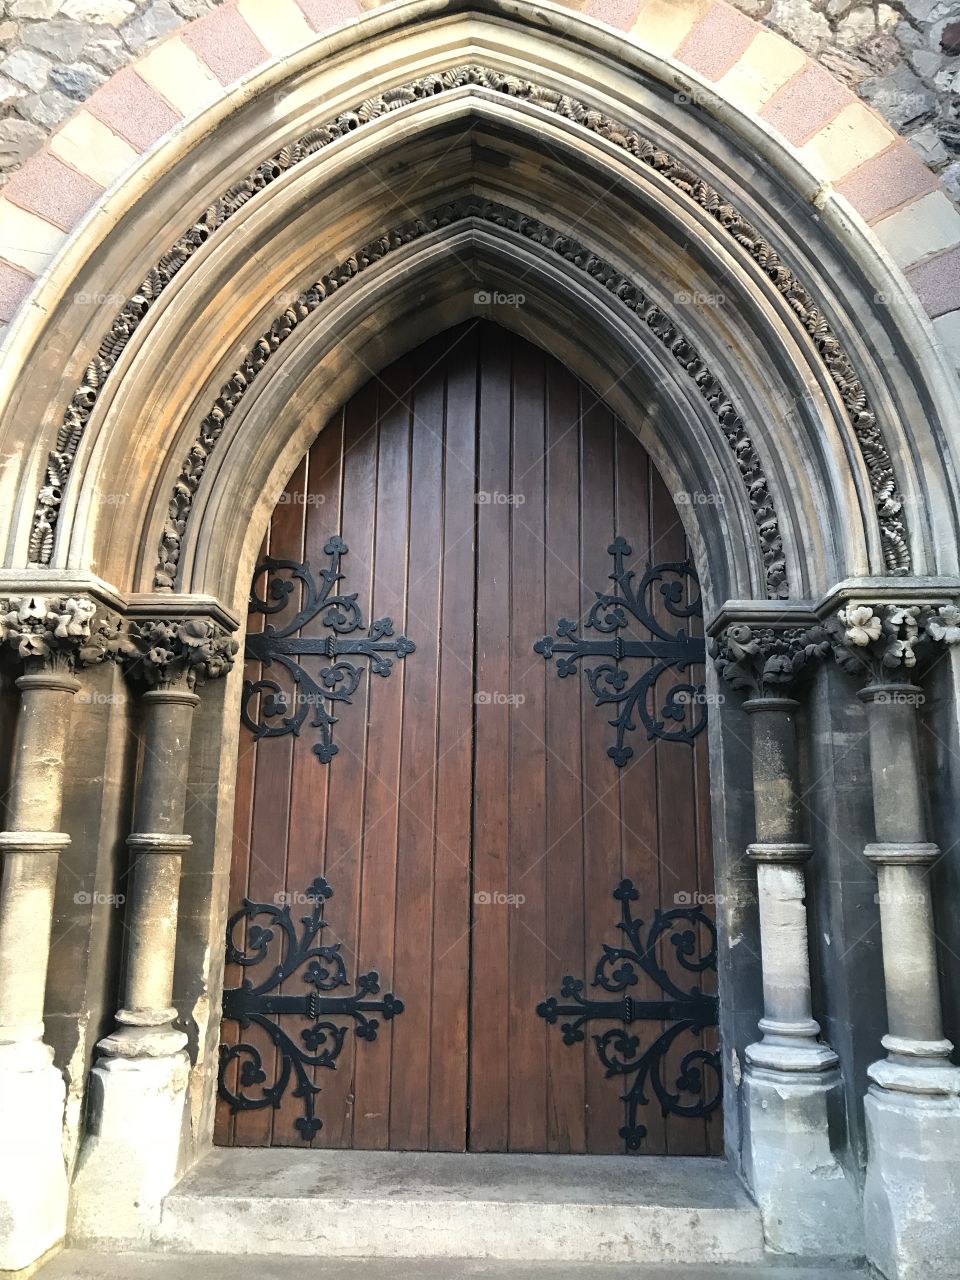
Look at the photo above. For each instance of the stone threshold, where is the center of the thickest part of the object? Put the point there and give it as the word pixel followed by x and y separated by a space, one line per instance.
pixel 75 1264
pixel 503 1208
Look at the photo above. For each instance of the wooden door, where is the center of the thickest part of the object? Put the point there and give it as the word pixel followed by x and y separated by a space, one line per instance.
pixel 474 553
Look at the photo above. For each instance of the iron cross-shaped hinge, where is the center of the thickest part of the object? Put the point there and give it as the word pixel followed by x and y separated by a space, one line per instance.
pixel 669 650
pixel 285 711
pixel 262 1005
pixel 624 1054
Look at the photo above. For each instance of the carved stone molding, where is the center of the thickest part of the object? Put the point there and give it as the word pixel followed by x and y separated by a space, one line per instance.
pixel 836 361
pixel 766 660
pixel 626 291
pixel 162 652
pixel 57 631
pixel 880 641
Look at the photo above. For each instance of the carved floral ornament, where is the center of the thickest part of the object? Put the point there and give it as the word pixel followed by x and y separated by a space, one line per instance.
pixel 876 641
pixel 72 631
pixel 747 237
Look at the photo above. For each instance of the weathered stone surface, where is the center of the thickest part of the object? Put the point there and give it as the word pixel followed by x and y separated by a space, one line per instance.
pixel 106 51
pixel 194 8
pixel 929 147
pixel 108 12
pixel 10 91
pixel 951 179
pixel 47 109
pixel 901 97
pixel 793 1131
pixel 18 138
pixel 27 67
pixel 34 8
pixel 158 19
pixel 78 80
pixel 59 38
pixel 800 23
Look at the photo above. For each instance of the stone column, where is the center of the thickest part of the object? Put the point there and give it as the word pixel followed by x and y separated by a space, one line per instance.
pixel 792 1097
pixel 912 1107
pixel 138 1087
pixel 51 637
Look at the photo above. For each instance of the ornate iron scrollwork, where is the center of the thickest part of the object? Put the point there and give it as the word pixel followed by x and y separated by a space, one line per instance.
pixel 620 1052
pixel 610 682
pixel 251 1004
pixel 338 681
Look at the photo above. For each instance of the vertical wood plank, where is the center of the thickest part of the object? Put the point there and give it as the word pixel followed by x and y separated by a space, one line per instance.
pixel 526 912
pixel 346 784
pixel 452 907
pixel 371 1125
pixel 566 1064
pixel 416 843
pixel 489 1047
pixel 644 858
pixel 678 825
pixel 601 788
pixel 266 874
pixel 309 779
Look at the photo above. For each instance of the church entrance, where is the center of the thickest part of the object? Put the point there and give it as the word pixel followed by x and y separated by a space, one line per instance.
pixel 470 890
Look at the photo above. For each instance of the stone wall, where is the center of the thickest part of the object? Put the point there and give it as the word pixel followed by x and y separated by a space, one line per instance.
pixel 901 57
pixel 54 53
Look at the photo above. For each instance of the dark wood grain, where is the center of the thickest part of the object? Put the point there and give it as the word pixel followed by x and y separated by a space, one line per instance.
pixel 473 771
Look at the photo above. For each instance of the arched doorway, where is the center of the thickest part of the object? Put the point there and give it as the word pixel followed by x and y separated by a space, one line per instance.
pixel 474 818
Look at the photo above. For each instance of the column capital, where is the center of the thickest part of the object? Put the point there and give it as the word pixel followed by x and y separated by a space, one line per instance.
pixel 54 634
pixel 765 660
pixel 170 652
pixel 879 640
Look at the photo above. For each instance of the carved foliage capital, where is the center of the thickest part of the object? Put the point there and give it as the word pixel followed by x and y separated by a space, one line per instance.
pixel 57 631
pixel 765 661
pixel 160 652
pixel 881 641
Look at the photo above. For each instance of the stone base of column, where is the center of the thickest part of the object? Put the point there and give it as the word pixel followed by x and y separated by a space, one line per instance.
pixel 33 1178
pixel 131 1156
pixel 912 1190
pixel 793 1120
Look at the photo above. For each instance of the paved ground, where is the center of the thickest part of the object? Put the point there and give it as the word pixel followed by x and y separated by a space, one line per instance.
pixel 76 1265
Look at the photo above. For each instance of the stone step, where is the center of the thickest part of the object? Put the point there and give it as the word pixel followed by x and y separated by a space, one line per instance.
pixel 365 1204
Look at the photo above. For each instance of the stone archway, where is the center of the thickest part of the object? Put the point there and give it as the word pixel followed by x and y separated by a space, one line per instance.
pixel 356 199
